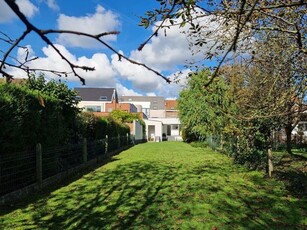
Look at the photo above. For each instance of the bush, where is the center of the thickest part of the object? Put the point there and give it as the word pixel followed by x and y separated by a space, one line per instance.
pixel 98 127
pixel 189 136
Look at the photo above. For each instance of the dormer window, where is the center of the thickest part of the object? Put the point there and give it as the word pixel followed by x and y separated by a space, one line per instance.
pixel 102 98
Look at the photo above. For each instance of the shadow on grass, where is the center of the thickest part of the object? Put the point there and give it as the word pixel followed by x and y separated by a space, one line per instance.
pixel 147 194
pixel 295 181
pixel 46 191
pixel 292 170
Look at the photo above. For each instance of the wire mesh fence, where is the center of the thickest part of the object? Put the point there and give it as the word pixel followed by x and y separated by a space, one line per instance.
pixel 222 143
pixel 60 159
pixel 18 170
pixel 96 148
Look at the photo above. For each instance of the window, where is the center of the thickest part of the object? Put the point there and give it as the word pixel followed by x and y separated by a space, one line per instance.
pixel 93 108
pixel 102 98
pixel 155 107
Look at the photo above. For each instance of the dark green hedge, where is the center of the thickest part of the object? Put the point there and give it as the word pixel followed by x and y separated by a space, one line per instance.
pixel 28 117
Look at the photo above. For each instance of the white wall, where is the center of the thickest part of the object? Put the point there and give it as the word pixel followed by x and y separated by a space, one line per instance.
pixel 157 113
pixel 175 130
pixel 145 105
pixel 157 128
pixel 83 104
pixel 138 130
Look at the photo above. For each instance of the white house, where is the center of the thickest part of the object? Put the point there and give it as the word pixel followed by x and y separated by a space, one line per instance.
pixel 167 127
pixel 95 99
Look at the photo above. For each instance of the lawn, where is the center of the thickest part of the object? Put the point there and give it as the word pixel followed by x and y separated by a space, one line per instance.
pixel 168 185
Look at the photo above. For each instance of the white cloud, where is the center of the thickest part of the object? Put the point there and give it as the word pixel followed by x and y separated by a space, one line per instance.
pixel 166 52
pixel 124 91
pixel 25 6
pixel 52 4
pixel 178 82
pixel 141 78
pixel 109 72
pixel 151 94
pixel 101 21
pixel 103 76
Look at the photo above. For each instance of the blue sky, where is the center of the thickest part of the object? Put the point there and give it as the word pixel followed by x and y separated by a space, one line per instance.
pixel 165 54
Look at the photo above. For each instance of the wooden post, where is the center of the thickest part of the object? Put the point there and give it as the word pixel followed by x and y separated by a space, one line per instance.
pixel 270 162
pixel 106 145
pixel 127 138
pixel 84 150
pixel 39 166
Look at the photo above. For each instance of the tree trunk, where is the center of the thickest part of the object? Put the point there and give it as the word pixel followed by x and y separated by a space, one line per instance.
pixel 288 139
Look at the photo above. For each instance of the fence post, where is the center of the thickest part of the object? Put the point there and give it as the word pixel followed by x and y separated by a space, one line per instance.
pixel 84 150
pixel 39 166
pixel 128 139
pixel 270 162
pixel 107 144
pixel 118 141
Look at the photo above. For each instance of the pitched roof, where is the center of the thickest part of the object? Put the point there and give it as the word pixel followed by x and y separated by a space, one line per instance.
pixel 96 94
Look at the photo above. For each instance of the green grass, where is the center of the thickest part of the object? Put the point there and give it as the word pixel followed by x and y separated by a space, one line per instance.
pixel 168 185
pixel 292 171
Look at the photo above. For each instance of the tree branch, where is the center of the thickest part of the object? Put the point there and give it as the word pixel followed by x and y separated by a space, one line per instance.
pixel 155 33
pixel 42 34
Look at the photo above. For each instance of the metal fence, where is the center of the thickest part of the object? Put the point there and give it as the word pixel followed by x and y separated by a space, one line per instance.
pixel 18 170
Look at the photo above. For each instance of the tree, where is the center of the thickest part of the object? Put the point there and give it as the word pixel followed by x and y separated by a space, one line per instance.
pixel 202 110
pixel 284 69
pixel 125 117
pixel 220 28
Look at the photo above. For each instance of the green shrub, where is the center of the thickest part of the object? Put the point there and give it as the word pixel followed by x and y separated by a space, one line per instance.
pixel 98 127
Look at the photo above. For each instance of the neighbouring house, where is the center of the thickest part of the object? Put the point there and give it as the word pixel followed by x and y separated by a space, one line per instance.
pixel 145 104
pixel 162 116
pixel 96 99
pixel 102 101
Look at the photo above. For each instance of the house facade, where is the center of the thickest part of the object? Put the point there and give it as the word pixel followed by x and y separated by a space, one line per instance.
pixel 162 117
pixel 96 99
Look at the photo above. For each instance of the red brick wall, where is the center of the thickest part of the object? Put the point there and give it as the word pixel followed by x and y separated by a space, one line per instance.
pixel 170 104
pixel 117 106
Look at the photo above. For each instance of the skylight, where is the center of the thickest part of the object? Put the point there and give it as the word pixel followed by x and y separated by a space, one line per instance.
pixel 102 98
